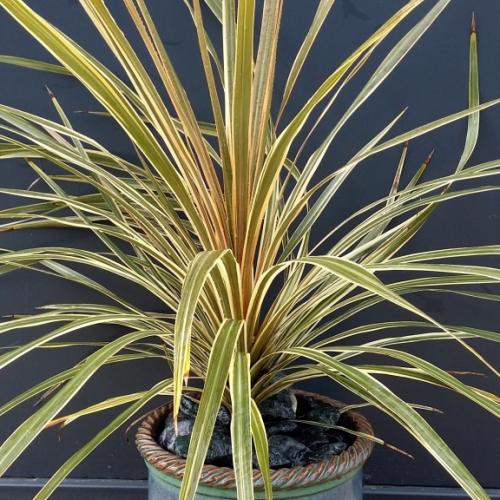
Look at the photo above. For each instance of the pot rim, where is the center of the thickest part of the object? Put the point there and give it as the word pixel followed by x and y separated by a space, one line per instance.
pixel 223 477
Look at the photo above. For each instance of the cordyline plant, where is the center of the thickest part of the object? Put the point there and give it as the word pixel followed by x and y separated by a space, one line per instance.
pixel 209 216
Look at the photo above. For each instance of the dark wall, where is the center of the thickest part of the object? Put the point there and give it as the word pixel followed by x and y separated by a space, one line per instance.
pixel 432 81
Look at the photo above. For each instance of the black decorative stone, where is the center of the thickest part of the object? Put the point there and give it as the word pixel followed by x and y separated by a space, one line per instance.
pixel 327 451
pixel 312 435
pixel 189 407
pixel 326 415
pixel 223 417
pixel 168 438
pixel 281 427
pixel 285 451
pixel 306 404
pixel 291 443
pixel 220 451
pixel 280 406
pixel 181 445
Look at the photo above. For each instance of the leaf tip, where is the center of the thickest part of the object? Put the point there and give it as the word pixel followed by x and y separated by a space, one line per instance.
pixel 473 26
pixel 399 450
pixel 51 94
pixel 429 158
pixel 174 418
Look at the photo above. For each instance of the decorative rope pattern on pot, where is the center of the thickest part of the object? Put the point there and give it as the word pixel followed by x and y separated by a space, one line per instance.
pixel 223 477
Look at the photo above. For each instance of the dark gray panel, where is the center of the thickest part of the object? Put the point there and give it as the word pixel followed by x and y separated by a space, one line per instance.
pixel 431 81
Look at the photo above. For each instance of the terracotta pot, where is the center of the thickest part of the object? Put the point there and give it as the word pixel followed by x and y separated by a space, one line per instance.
pixel 339 477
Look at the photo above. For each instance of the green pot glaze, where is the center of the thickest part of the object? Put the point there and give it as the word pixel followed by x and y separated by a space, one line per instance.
pixel 349 487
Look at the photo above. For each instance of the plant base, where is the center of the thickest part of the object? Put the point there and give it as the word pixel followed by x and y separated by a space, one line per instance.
pixel 339 477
